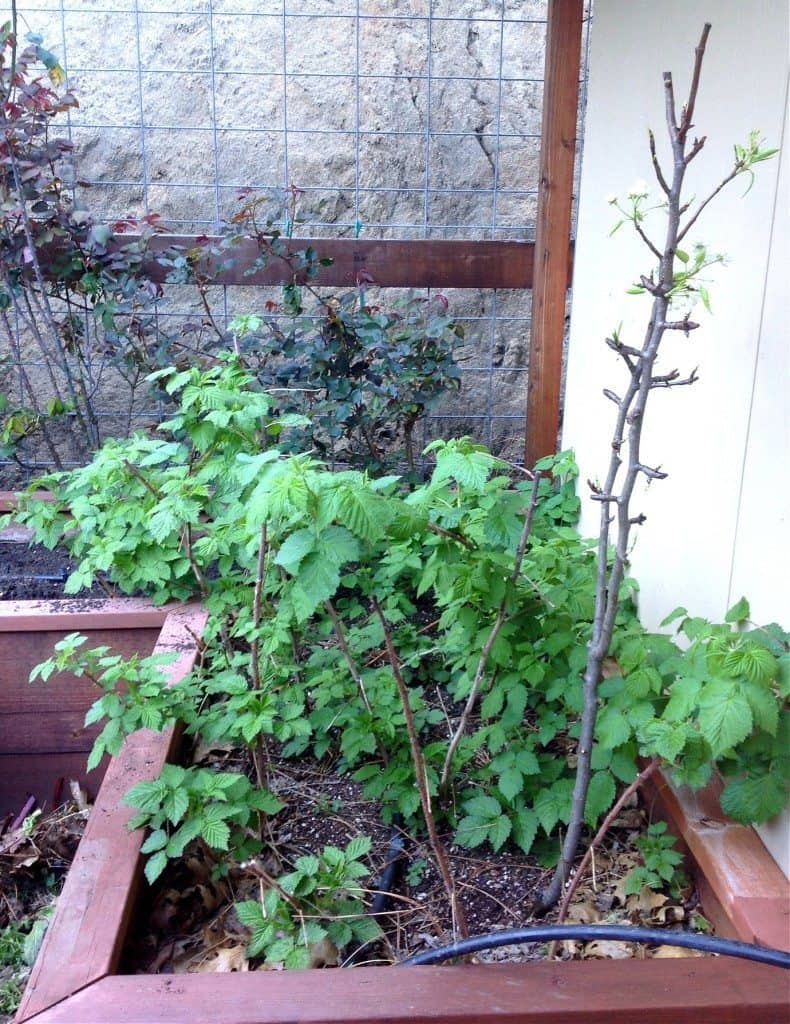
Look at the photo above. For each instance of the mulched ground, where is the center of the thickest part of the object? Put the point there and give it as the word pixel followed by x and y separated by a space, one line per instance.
pixel 190 925
pixel 35 856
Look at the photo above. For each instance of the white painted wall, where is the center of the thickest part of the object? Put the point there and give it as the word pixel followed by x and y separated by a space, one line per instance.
pixel 718 527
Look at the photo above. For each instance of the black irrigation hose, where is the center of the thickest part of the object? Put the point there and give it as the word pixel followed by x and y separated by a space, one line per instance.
pixel 386 882
pixel 586 933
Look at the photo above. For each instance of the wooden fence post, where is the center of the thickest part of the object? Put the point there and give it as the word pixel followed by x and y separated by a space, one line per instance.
pixel 552 243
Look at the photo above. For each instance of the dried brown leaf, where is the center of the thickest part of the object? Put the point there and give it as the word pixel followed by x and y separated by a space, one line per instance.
pixel 607 949
pixel 672 952
pixel 225 961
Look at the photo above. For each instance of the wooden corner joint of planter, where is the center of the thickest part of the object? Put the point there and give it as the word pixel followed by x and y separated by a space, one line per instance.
pixel 743 891
pixel 85 937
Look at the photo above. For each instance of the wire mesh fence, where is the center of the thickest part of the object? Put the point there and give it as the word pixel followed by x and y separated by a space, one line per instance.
pixel 406 119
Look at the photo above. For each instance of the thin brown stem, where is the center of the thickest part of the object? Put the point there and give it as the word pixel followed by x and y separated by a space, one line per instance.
pixel 699 55
pixel 421 777
pixel 354 672
pixel 259 751
pixel 485 653
pixel 606 824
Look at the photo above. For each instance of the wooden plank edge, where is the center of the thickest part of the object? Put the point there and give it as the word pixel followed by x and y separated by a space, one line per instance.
pixel 684 991
pixel 75 613
pixel 10 499
pixel 742 888
pixel 85 938
pixel 553 229
pixel 389 263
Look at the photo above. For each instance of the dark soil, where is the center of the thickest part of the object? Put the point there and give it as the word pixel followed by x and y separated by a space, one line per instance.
pixel 31 572
pixel 189 924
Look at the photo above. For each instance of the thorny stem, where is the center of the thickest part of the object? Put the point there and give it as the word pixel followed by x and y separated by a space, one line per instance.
pixel 625 449
pixel 340 633
pixel 490 640
pixel 443 864
pixel 260 755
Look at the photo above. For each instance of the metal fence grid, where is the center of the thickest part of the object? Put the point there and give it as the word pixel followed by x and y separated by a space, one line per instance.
pixel 395 118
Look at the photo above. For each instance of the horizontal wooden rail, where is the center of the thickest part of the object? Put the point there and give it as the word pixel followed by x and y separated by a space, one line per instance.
pixel 391 263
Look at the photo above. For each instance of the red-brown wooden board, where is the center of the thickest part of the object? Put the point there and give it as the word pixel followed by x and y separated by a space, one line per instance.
pixel 42 734
pixel 557 156
pixel 391 263
pixel 83 942
pixel 743 890
pixel 74 978
pixel 690 991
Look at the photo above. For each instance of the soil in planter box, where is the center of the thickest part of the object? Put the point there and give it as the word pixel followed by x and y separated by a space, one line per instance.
pixel 33 572
pixel 34 858
pixel 189 924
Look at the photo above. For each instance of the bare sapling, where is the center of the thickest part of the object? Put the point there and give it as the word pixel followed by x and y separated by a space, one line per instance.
pixel 677 278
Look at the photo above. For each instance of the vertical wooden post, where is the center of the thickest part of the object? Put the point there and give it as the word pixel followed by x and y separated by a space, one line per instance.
pixel 552 244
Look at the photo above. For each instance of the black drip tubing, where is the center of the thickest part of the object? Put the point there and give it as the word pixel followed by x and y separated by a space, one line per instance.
pixel 587 933
pixel 386 882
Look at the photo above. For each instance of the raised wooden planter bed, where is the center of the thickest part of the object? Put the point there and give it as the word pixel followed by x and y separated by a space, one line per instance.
pixel 75 979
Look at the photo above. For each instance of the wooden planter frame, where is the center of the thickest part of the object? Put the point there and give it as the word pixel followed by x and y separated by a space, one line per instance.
pixel 75 978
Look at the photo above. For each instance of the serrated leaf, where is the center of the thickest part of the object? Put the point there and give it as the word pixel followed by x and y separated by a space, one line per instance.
pixel 311 931
pixel 553 804
pixel 366 929
pixel 483 806
pixel 754 800
pixel 612 728
pixel 216 834
pixel 295 549
pixel 175 805
pixel 739 611
pixel 764 705
pixel 471 831
pixel 279 950
pixel 317 581
pixel 365 514
pixel 250 913
pixel 185 834
pixel 676 613
pixel 468 469
pixel 510 783
pixel 298 958
pixel 307 865
pixel 725 717
pixel 358 847
pixel 155 865
pixel 156 841
pixel 683 696
pixel 600 796
pixel 525 828
pixel 753 661
pixel 498 832
pixel 173 775
pixel 332 856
